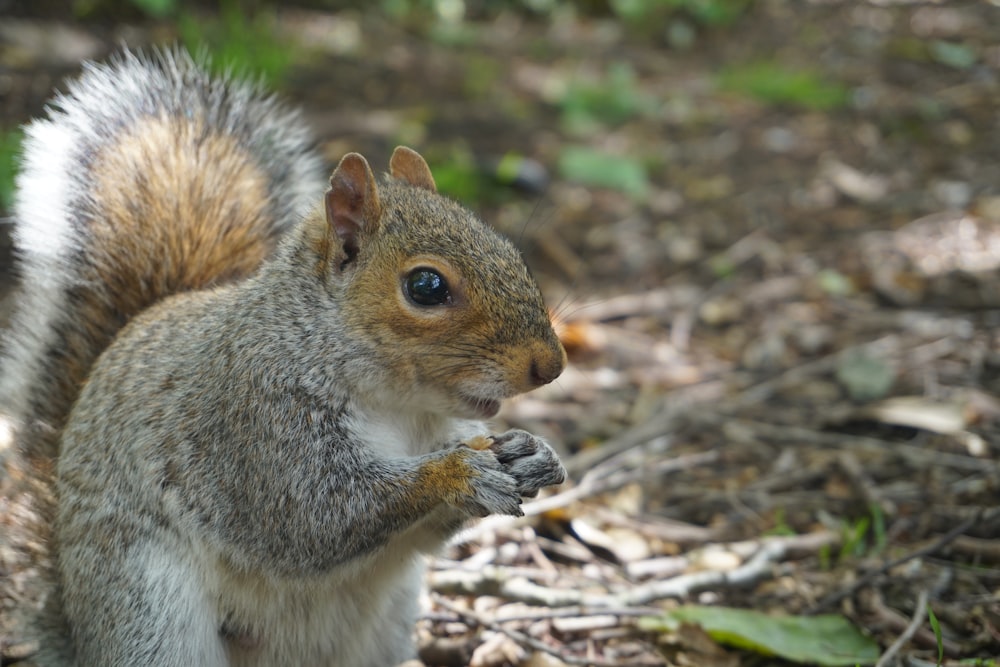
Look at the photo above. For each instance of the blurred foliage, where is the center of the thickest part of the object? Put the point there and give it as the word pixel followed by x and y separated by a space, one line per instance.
pixel 951 54
pixel 642 15
pixel 10 148
pixel 157 8
pixel 834 283
pixel 587 107
pixel 240 37
pixel 238 41
pixel 705 12
pixel 465 177
pixel 592 167
pixel 772 83
pixel 611 100
pixel 661 19
pixel 456 174
pixel 855 535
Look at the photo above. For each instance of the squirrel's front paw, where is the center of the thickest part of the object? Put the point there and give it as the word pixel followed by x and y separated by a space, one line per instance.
pixel 529 460
pixel 494 490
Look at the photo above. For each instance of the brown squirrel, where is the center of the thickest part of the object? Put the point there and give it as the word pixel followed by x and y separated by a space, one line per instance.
pixel 243 410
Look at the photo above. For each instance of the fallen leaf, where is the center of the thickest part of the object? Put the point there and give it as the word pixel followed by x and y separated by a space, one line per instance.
pixel 829 640
pixel 591 167
pixel 864 377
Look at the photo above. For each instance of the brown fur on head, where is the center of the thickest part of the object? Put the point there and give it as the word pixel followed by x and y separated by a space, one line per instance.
pixel 484 335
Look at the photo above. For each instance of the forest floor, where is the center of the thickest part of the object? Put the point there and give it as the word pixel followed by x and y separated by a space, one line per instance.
pixel 773 251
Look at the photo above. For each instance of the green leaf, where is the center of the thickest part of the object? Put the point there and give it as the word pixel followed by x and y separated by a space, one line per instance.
pixel 864 377
pixel 614 99
pixel 157 8
pixel 936 626
pixel 829 640
pixel 591 167
pixel 954 55
pixel 834 283
pixel 878 528
pixel 10 148
pixel 458 180
pixel 239 41
pixel 854 538
pixel 772 83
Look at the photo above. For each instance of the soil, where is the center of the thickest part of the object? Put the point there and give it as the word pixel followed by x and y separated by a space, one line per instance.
pixel 790 337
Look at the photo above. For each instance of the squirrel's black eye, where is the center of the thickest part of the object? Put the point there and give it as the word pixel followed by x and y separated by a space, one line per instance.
pixel 427 287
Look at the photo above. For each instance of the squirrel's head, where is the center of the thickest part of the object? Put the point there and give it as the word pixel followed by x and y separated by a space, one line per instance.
pixel 444 303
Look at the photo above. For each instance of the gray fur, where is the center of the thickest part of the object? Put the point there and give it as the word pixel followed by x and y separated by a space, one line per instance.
pixel 252 473
pixel 53 201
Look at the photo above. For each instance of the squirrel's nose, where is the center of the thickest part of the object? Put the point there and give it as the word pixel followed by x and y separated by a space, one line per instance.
pixel 547 366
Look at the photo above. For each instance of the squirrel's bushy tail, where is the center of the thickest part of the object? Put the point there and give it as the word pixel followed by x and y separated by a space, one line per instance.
pixel 147 178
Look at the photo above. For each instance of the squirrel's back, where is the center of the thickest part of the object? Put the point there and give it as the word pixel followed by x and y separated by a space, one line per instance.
pixel 147 178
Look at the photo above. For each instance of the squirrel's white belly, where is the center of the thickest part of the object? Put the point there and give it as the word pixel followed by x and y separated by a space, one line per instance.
pixel 361 617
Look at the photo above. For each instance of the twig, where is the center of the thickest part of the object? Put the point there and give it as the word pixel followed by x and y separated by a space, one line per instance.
pixel 561 254
pixel 472 618
pixel 541 614
pixel 499 582
pixel 668 530
pixel 586 488
pixel 650 302
pixel 977 548
pixel 769 551
pixel 914 454
pixel 863 483
pixel 512 584
pixel 918 619
pixel 677 405
pixel 871 603
pixel 863 581
pixel 762 391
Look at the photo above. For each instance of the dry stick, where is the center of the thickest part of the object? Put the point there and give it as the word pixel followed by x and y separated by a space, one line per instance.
pixel 761 391
pixel 863 581
pixel 472 618
pixel 871 603
pixel 676 406
pixel 978 548
pixel 863 482
pixel 539 614
pixel 634 436
pixel 758 566
pixel 497 581
pixel 659 301
pixel 918 620
pixel 589 486
pixel 511 584
pixel 650 302
pixel 912 453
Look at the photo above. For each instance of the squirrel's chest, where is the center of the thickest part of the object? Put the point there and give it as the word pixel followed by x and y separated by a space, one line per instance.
pixel 402 434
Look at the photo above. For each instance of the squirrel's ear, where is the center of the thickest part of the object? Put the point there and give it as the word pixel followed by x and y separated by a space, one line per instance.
pixel 352 205
pixel 407 165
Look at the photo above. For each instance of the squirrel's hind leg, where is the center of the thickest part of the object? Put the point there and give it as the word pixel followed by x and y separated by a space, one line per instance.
pixel 155 609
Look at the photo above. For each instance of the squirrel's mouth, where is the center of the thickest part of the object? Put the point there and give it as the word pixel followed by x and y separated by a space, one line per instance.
pixel 484 408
